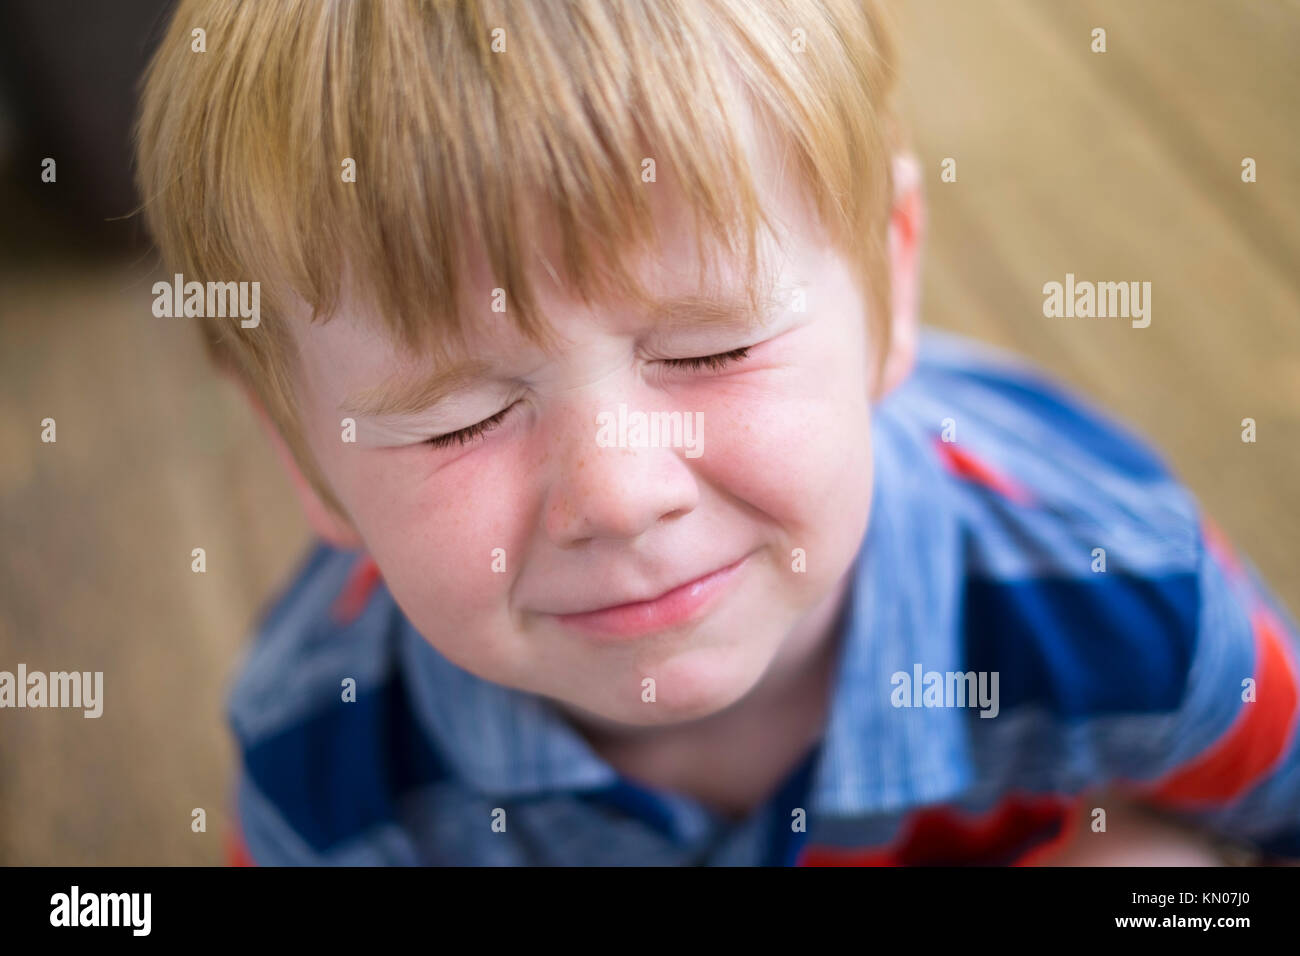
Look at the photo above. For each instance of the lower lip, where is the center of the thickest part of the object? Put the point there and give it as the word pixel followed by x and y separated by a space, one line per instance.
pixel 679 606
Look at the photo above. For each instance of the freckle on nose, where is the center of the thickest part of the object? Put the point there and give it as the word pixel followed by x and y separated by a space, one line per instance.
pixel 561 512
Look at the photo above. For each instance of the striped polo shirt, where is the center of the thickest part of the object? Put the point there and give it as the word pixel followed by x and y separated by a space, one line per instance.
pixel 1014 531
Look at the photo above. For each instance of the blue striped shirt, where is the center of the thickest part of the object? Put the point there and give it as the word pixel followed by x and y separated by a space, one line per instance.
pixel 980 557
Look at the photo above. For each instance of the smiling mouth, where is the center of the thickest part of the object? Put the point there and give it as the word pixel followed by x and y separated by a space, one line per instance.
pixel 673 608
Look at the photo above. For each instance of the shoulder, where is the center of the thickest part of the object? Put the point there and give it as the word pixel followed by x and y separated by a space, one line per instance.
pixel 1026 451
pixel 322 721
pixel 1082 552
pixel 322 625
pixel 991 403
pixel 1126 633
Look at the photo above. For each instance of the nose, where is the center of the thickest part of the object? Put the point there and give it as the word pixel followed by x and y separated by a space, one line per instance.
pixel 600 490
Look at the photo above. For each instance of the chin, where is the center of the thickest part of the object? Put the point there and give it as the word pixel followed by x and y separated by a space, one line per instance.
pixel 699 683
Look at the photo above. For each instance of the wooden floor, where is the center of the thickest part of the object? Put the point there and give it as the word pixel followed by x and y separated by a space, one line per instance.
pixel 1116 166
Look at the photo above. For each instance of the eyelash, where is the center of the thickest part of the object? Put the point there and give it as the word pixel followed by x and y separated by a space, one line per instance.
pixel 712 362
pixel 466 435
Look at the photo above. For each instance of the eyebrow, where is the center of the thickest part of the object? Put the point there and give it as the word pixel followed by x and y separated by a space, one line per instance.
pixel 670 313
pixel 408 397
pixel 691 311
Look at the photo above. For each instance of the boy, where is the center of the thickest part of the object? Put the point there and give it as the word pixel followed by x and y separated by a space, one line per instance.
pixel 653 531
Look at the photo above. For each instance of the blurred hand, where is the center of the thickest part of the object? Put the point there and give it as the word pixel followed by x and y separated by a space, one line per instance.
pixel 1135 836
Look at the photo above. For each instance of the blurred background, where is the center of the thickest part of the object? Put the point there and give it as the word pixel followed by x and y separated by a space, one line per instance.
pixel 1123 165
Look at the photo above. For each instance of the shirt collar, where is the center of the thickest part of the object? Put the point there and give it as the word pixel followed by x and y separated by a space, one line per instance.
pixel 500 740
pixel 874 757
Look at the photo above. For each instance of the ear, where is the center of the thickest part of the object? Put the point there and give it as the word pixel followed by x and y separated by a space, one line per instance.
pixel 334 528
pixel 906 240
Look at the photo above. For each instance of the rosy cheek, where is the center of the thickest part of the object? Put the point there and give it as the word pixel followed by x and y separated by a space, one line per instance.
pixel 452 535
pixel 778 446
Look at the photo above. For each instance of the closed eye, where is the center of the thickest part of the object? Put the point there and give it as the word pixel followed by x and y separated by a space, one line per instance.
pixel 709 361
pixel 466 435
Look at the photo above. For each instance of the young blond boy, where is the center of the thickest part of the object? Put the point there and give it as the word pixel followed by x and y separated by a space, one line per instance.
pixel 485 233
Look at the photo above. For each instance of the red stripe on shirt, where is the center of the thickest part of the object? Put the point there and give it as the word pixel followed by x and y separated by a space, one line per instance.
pixel 1257 739
pixel 965 465
pixel 1217 543
pixel 236 852
pixel 1017 830
pixel 356 591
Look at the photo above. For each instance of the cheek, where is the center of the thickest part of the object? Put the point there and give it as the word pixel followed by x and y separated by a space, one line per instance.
pixel 796 445
pixel 449 540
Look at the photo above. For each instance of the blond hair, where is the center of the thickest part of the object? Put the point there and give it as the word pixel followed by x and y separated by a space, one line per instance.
pixel 240 150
